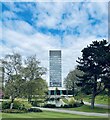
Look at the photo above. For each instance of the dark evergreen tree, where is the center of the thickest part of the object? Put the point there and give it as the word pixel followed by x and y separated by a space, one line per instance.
pixel 93 63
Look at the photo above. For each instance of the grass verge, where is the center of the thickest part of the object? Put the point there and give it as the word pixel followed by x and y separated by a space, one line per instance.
pixel 86 108
pixel 45 114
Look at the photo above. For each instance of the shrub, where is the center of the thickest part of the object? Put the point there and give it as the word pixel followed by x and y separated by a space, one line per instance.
pixel 6 104
pixel 66 106
pixel 65 100
pixel 14 111
pixel 77 104
pixel 71 101
pixel 26 105
pixel 50 105
pixel 35 103
pixel 34 110
pixel 19 105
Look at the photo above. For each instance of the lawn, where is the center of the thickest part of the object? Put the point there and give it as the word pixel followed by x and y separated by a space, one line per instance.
pixel 86 108
pixel 44 114
pixel 100 99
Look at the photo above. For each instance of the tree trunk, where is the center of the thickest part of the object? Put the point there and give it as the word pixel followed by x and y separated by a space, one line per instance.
pixel 92 101
pixel 12 102
pixel 73 89
pixel 94 92
pixel 29 98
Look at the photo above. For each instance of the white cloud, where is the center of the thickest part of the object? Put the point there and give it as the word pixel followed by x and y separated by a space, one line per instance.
pixel 19 26
pixel 22 37
pixel 9 15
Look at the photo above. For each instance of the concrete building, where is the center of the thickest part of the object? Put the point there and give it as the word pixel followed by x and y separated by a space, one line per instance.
pixel 55 70
pixel 55 73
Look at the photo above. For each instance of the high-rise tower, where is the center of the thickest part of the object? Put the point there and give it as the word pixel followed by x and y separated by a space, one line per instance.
pixel 55 68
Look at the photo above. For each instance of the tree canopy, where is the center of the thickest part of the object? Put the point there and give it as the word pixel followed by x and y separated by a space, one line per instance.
pixel 70 81
pixel 94 63
pixel 23 77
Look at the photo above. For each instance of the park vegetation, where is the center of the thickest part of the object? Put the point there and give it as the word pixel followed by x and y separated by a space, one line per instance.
pixel 92 73
pixel 23 78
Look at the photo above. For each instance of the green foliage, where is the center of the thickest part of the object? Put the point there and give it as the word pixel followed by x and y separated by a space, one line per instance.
pixel 12 68
pixel 71 101
pixel 70 81
pixel 34 103
pixel 66 106
pixel 65 100
pixel 13 111
pixel 34 110
pixel 20 105
pixel 50 106
pixel 23 77
pixel 76 104
pixel 25 104
pixel 6 104
pixel 95 65
pixel 37 103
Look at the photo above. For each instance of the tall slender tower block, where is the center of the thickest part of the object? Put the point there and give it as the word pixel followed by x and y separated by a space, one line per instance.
pixel 55 68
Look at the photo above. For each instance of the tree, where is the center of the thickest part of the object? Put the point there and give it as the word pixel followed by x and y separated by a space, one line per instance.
pixel 13 80
pixel 32 73
pixel 32 69
pixel 23 80
pixel 92 63
pixel 14 87
pixel 42 88
pixel 106 77
pixel 71 81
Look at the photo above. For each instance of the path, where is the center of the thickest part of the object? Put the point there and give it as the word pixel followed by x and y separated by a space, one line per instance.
pixel 74 112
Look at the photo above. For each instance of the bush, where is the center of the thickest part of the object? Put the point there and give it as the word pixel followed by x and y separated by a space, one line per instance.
pixel 26 105
pixel 19 105
pixel 65 100
pixel 77 104
pixel 34 110
pixel 71 101
pixel 66 106
pixel 50 106
pixel 14 111
pixel 35 103
pixel 6 104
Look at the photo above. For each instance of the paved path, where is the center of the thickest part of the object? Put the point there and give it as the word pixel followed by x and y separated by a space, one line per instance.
pixel 98 105
pixel 75 112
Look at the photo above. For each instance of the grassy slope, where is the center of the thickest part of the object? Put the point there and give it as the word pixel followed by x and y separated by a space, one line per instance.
pixel 86 108
pixel 100 99
pixel 44 114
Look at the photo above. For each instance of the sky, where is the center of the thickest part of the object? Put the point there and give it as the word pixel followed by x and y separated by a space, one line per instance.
pixel 37 27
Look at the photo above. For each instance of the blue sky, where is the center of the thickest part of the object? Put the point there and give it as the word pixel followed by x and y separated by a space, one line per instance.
pixel 37 27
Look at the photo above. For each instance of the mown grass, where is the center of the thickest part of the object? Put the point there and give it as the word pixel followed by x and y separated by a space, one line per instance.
pixel 100 99
pixel 45 114
pixel 86 108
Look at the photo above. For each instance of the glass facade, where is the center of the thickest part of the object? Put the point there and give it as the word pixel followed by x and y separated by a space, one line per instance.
pixel 55 68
